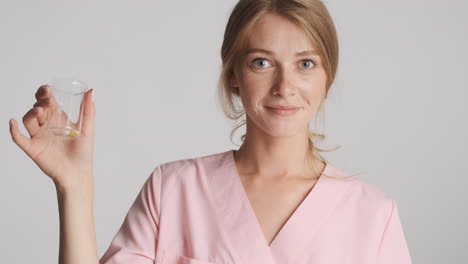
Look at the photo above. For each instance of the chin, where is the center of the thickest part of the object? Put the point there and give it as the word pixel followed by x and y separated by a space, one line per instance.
pixel 278 127
pixel 283 131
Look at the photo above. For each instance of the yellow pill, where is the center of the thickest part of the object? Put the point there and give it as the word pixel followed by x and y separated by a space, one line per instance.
pixel 74 133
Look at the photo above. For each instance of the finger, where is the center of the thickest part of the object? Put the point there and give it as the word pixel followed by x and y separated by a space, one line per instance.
pixel 43 91
pixel 89 113
pixel 22 141
pixel 46 99
pixel 46 102
pixel 41 116
pixel 30 121
pixel 43 102
pixel 50 105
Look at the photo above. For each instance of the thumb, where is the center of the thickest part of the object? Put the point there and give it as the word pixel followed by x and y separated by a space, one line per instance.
pixel 89 113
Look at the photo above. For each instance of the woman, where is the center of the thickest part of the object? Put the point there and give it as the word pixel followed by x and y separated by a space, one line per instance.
pixel 275 200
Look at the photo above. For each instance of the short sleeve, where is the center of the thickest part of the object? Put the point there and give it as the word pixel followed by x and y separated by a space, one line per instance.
pixel 135 241
pixel 393 247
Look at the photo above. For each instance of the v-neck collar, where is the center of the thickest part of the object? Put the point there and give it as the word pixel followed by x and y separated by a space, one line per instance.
pixel 295 234
pixel 251 211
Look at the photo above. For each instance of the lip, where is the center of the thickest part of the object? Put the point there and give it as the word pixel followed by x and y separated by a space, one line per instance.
pixel 283 112
pixel 283 107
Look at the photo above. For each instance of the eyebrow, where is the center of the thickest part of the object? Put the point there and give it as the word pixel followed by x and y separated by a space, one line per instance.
pixel 302 53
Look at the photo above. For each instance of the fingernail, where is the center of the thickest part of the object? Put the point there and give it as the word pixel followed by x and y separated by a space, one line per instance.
pixel 92 94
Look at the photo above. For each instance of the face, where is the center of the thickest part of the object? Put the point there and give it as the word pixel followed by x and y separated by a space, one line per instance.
pixel 279 68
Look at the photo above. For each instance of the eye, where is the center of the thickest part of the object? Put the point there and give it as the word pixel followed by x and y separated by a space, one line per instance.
pixel 308 63
pixel 262 63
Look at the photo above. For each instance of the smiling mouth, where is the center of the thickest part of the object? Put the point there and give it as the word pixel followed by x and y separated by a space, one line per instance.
pixel 283 112
pixel 283 107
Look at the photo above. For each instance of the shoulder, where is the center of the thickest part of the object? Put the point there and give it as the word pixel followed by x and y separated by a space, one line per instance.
pixel 192 167
pixel 189 164
pixel 363 195
pixel 357 186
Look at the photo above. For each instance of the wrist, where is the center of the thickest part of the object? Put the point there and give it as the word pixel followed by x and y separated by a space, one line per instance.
pixel 74 183
pixel 80 191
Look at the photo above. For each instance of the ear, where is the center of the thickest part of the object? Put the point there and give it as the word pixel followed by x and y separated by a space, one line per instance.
pixel 233 82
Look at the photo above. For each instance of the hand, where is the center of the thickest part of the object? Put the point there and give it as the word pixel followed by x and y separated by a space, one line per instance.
pixel 69 163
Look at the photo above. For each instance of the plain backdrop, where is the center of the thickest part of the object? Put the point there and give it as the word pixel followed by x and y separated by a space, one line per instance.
pixel 398 108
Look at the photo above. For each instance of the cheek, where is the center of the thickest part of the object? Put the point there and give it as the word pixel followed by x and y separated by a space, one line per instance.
pixel 314 89
pixel 254 87
pixel 261 80
pixel 314 92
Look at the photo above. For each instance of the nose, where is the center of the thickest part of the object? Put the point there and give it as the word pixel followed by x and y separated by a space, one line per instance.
pixel 284 83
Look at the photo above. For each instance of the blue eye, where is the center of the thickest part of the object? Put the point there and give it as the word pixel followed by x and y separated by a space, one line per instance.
pixel 261 60
pixel 311 62
pixel 263 63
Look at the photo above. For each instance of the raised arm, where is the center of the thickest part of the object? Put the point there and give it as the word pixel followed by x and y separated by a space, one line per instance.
pixel 77 230
pixel 69 163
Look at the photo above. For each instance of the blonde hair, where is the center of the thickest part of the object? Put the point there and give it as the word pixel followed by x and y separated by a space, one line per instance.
pixel 310 15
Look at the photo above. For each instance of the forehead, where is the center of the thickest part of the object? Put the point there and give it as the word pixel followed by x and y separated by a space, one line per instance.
pixel 277 33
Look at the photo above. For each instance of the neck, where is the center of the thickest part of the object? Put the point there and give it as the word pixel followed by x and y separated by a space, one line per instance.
pixel 279 159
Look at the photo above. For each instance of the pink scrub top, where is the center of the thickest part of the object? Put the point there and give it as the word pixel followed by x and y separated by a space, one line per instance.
pixel 196 211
